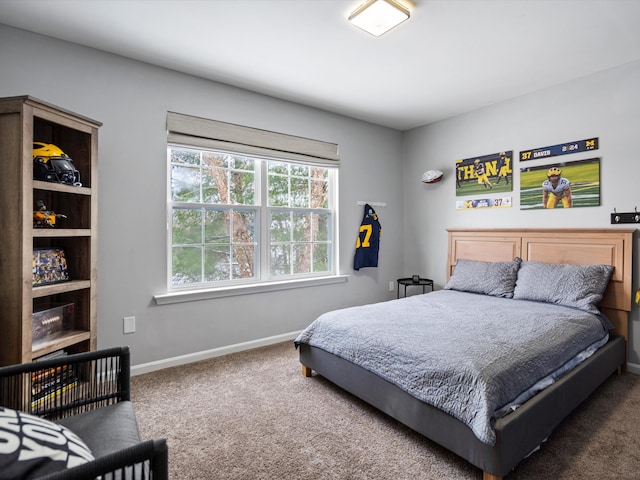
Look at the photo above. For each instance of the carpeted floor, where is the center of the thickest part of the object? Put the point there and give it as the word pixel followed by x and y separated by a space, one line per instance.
pixel 252 415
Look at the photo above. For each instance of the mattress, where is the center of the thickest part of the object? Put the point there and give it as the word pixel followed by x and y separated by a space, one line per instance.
pixel 469 355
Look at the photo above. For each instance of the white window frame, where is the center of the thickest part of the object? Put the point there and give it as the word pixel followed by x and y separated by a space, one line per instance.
pixel 195 132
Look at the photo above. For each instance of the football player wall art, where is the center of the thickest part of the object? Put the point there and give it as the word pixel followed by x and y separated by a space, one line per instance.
pixel 485 174
pixel 561 185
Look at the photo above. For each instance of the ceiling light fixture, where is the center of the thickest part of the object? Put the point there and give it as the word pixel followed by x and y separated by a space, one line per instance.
pixel 379 16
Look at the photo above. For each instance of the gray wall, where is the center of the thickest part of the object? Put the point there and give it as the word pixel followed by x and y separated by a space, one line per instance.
pixel 605 105
pixel 131 100
pixel 378 164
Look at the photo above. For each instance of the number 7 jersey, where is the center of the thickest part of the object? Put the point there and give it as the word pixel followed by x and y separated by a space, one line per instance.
pixel 368 242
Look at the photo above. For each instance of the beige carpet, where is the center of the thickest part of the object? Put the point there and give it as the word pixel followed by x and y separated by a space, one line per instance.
pixel 252 415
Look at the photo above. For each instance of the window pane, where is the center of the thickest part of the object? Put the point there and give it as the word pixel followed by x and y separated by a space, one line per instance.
pixel 229 256
pixel 280 227
pixel 318 173
pixel 302 258
pixel 185 184
pixel 242 188
pixel 299 192
pixel 244 226
pixel 215 159
pixel 242 163
pixel 244 244
pixel 185 156
pixel 321 258
pixel 319 197
pixel 278 191
pixel 244 261
pixel 295 243
pixel 187 265
pixel 322 223
pixel 212 180
pixel 216 227
pixel 187 226
pixel 280 260
pixel 299 170
pixel 301 227
pixel 279 168
pixel 217 263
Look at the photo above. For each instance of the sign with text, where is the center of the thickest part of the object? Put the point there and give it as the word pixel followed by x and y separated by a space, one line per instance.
pixel 503 202
pixel 560 149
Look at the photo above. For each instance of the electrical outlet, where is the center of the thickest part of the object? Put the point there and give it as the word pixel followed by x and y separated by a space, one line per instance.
pixel 391 286
pixel 129 324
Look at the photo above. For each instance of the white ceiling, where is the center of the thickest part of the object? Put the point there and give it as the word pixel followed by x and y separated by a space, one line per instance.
pixel 450 57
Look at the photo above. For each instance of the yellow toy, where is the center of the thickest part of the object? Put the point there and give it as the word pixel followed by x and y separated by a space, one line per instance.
pixel 45 218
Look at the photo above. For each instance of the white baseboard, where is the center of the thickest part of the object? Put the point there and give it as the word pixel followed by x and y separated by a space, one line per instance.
pixel 238 347
pixel 215 352
pixel 633 368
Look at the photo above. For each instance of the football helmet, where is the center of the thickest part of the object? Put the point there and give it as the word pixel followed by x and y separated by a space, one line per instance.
pixel 51 164
pixel 554 171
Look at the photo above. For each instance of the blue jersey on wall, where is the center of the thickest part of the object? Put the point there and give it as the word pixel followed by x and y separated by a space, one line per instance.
pixel 368 242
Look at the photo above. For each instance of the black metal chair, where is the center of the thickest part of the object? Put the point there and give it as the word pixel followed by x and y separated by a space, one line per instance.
pixel 90 394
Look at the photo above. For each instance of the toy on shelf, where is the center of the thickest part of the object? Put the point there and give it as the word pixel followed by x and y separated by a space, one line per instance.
pixel 43 218
pixel 51 164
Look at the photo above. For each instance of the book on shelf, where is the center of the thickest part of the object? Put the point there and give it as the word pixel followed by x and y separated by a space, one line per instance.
pixel 48 374
pixel 49 356
pixel 57 392
pixel 49 383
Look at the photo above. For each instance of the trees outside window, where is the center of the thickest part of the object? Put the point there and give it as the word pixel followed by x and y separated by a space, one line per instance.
pixel 244 219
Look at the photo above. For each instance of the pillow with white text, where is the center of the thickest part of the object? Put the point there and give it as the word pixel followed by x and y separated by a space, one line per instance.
pixel 31 446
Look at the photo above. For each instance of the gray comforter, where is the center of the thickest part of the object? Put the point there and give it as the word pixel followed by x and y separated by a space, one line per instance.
pixel 464 353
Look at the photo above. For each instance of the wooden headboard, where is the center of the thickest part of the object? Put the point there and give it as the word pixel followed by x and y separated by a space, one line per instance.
pixel 550 245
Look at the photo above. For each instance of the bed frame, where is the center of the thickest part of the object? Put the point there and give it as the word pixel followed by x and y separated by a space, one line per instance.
pixel 520 432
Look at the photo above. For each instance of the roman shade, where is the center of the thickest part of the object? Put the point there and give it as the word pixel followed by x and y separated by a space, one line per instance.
pixel 212 134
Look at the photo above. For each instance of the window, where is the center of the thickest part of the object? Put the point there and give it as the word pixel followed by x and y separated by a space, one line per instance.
pixel 247 213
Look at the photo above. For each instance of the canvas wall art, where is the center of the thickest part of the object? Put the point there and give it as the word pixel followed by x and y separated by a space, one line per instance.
pixel 560 185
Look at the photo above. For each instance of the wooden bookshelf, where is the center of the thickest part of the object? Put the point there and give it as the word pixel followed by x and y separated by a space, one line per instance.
pixel 24 120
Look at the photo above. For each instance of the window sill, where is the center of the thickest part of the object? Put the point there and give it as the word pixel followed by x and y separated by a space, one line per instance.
pixel 194 295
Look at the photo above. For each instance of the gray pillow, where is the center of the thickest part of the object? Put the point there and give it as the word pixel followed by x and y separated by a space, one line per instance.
pixel 497 279
pixel 577 286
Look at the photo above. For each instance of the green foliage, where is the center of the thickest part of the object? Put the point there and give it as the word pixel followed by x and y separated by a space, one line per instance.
pixel 215 211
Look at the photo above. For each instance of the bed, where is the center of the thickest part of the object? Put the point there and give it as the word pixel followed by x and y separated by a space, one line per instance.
pixel 498 448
